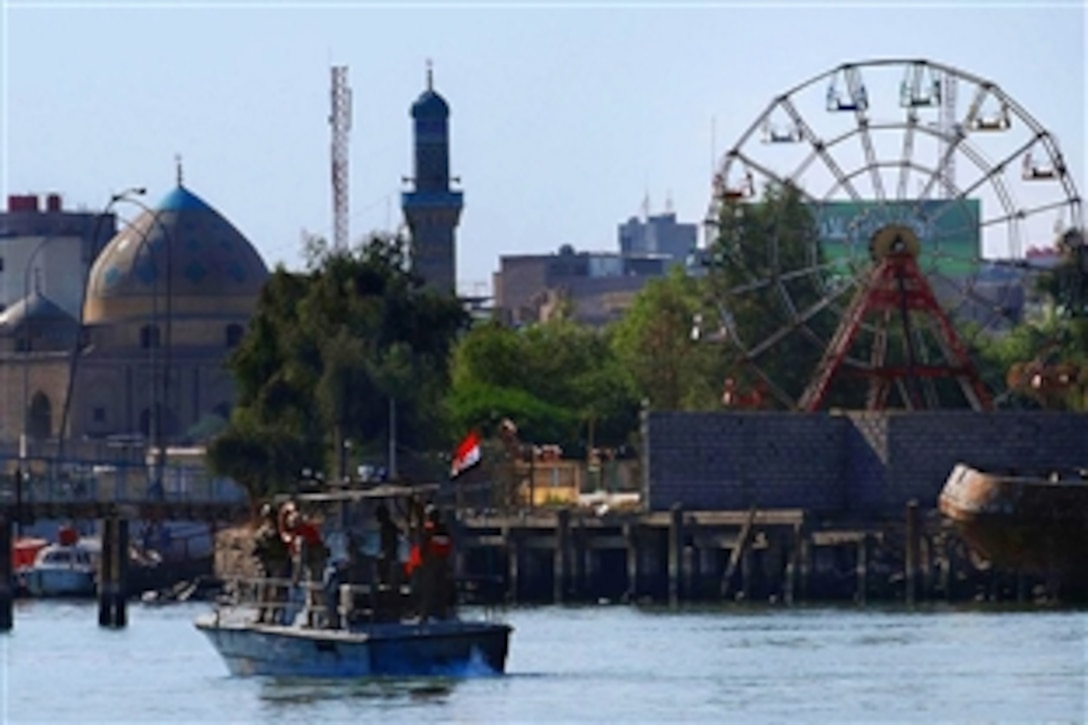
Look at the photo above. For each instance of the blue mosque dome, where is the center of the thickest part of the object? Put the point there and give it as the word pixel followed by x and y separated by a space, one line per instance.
pixel 182 247
pixel 37 309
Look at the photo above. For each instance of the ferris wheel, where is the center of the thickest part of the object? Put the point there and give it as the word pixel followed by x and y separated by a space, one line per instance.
pixel 927 190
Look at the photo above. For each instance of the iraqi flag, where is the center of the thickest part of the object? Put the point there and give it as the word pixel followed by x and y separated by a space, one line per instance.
pixel 467 455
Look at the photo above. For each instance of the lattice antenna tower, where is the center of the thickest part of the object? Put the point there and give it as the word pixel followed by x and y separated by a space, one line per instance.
pixel 948 129
pixel 340 121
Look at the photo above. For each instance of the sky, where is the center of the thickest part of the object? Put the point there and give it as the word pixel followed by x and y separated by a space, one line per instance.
pixel 567 118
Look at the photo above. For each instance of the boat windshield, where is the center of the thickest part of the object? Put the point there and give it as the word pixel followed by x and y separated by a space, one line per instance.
pixel 66 557
pixel 58 556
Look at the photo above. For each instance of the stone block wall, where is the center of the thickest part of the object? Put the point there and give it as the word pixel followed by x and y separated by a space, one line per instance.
pixel 738 460
pixel 860 462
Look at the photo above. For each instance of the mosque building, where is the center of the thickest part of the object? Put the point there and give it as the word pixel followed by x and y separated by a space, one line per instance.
pixel 165 301
pixel 129 343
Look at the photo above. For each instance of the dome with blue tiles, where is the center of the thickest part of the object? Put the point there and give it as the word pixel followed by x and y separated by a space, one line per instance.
pixel 182 247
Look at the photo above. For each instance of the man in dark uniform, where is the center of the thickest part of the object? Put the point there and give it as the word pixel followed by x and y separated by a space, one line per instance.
pixel 389 541
pixel 275 562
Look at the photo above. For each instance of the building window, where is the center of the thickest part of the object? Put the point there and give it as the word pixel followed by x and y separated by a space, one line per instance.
pixel 149 336
pixel 99 415
pixel 234 335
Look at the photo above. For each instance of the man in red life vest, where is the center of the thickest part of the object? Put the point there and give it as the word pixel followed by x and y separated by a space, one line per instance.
pixel 308 551
pixel 435 549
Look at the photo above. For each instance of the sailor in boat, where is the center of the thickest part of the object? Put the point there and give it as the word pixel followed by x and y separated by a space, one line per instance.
pixel 274 558
pixel 337 566
pixel 436 547
pixel 389 546
pixel 387 565
pixel 309 555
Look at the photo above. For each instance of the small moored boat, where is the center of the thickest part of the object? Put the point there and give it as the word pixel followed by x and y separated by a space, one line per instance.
pixel 66 568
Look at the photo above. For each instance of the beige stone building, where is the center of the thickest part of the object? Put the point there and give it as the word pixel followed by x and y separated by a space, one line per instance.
pixel 166 300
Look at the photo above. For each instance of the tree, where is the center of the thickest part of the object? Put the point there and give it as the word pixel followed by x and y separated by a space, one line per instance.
pixel 670 367
pixel 557 380
pixel 1043 363
pixel 326 352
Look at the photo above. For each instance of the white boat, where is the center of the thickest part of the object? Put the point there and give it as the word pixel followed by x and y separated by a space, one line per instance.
pixel 67 569
pixel 368 639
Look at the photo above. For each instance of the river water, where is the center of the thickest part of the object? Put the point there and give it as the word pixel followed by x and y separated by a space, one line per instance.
pixel 603 664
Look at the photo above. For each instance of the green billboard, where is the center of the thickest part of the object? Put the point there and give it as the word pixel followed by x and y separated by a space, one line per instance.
pixel 948 230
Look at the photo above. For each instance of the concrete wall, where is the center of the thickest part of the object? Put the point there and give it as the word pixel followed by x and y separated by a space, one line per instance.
pixel 866 462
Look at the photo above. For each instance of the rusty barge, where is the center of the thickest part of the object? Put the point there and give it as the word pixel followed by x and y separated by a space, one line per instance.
pixel 1031 524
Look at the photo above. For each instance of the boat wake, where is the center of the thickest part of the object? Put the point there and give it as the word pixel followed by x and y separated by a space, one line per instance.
pixel 475 666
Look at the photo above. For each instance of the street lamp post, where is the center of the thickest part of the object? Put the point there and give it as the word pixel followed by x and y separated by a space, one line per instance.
pixel 156 420
pixel 76 345
pixel 27 345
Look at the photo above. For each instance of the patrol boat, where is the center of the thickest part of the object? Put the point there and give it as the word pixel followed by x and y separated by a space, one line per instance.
pixel 373 631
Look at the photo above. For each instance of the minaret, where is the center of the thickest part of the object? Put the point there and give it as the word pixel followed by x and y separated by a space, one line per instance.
pixel 432 209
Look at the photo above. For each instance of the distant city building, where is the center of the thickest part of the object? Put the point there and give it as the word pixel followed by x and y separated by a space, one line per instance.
pixel 46 250
pixel 432 210
pixel 658 234
pixel 167 299
pixel 598 286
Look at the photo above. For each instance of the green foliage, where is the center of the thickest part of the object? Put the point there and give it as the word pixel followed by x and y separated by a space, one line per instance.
pixel 558 381
pixel 326 351
pixel 654 346
pixel 483 406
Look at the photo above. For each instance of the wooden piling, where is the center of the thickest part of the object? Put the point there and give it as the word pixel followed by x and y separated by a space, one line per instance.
pixel 512 569
pixel 630 533
pixel 7 593
pixel 112 573
pixel 690 580
pixel 862 570
pixel 590 566
pixel 746 568
pixel 106 574
pixel 562 545
pixel 911 553
pixel 948 569
pixel 804 559
pixel 676 549
pixel 773 565
pixel 578 560
pixel 120 590
pixel 793 564
pixel 710 558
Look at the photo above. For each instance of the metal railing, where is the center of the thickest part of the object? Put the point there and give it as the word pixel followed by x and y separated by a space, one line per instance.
pixel 119 484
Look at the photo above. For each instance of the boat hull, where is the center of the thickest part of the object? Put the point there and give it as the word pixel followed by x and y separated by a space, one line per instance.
pixel 1033 525
pixel 454 648
pixel 42 582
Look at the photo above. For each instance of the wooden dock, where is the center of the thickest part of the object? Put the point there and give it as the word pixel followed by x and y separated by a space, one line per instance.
pixel 772 556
